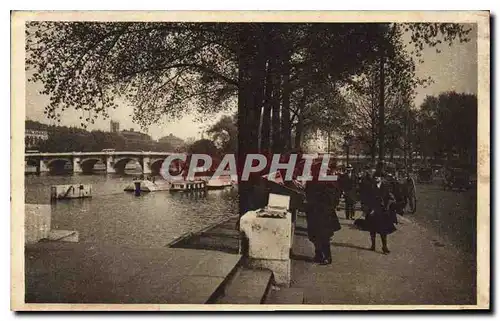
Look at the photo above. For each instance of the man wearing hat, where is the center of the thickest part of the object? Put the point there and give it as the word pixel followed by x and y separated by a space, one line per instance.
pixel 322 221
pixel 348 186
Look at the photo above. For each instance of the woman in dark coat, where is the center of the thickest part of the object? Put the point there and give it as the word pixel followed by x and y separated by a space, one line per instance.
pixel 322 199
pixel 380 219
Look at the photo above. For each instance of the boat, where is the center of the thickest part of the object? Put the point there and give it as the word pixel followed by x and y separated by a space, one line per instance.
pixel 59 192
pixel 188 185
pixel 219 182
pixel 148 186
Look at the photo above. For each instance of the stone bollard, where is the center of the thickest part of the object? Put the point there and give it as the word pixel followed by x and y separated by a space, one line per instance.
pixel 37 226
pixel 36 222
pixel 270 240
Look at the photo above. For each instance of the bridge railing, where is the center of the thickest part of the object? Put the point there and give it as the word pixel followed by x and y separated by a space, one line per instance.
pixel 121 153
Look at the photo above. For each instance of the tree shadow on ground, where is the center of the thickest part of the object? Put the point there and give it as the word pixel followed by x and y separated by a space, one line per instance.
pixel 349 245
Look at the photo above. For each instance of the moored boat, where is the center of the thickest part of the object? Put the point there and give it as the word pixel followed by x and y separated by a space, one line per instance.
pixel 148 186
pixel 187 185
pixel 219 182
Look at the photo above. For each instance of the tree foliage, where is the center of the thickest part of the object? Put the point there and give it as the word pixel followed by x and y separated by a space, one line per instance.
pixel 451 120
pixel 72 139
pixel 224 133
pixel 203 146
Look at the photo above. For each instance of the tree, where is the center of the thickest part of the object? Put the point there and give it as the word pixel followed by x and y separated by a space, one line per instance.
pixel 224 133
pixel 451 119
pixel 167 69
pixel 203 146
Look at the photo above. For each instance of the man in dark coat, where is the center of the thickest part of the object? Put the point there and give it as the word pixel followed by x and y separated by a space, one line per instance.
pixel 380 218
pixel 348 186
pixel 365 189
pixel 322 198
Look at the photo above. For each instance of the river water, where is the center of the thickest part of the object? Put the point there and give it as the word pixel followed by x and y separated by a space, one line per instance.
pixel 113 216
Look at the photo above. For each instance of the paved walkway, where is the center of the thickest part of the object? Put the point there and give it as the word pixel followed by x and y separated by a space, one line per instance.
pixel 88 273
pixel 421 269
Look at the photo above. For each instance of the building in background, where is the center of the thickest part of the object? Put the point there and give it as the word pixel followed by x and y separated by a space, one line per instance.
pixel 34 134
pixel 135 140
pixel 33 137
pixel 175 142
pixel 114 126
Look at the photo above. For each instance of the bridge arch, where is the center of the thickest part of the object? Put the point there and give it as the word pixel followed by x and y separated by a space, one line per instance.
pixel 120 163
pixel 156 165
pixel 87 164
pixel 32 161
pixel 59 164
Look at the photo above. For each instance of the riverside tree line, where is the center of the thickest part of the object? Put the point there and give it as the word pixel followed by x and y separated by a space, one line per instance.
pixel 283 77
pixel 221 139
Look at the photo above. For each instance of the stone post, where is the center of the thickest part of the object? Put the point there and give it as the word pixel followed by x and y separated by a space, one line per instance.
pixel 43 168
pixel 77 166
pixel 110 162
pixel 146 165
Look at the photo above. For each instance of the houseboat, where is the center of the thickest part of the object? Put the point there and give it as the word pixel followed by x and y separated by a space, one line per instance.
pixel 188 186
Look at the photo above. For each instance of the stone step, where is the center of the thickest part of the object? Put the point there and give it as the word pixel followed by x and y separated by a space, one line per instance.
pixel 247 286
pixel 278 296
pixel 63 236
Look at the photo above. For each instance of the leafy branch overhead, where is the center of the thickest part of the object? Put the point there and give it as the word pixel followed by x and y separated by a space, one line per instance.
pixel 284 77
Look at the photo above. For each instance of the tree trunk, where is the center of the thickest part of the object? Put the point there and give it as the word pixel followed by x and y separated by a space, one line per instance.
pixel 275 101
pixel 300 123
pixel 328 137
pixel 381 111
pixel 298 133
pixel 251 69
pixel 266 115
pixel 286 126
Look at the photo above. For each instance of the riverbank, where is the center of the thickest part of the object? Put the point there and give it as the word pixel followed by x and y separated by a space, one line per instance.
pixel 205 267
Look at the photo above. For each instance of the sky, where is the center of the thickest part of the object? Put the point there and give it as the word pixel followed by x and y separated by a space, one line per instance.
pixel 454 69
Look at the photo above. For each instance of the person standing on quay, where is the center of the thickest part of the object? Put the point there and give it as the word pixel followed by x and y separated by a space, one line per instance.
pixel 322 198
pixel 379 219
pixel 365 189
pixel 348 186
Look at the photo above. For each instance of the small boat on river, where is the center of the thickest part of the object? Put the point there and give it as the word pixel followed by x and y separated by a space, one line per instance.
pixel 148 186
pixel 219 182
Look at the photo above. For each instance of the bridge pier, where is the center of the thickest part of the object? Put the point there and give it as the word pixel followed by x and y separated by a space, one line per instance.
pixel 43 168
pixel 77 166
pixel 110 164
pixel 146 165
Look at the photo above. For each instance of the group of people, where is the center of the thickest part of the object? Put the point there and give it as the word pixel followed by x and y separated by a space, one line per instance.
pixel 378 205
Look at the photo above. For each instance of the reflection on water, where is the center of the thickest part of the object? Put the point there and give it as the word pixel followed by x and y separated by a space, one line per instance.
pixel 113 216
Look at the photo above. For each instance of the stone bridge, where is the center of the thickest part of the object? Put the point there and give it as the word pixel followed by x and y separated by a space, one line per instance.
pixel 83 162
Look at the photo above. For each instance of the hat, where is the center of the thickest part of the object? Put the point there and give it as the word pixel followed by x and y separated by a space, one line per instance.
pixel 349 166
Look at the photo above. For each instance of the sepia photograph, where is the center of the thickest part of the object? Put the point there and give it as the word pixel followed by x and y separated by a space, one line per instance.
pixel 250 160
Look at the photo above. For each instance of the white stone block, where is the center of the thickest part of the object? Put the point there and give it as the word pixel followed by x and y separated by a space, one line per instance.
pixel 281 269
pixel 268 238
pixel 36 222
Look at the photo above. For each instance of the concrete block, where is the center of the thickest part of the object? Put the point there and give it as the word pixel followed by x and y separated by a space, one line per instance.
pixel 268 238
pixel 281 269
pixel 36 222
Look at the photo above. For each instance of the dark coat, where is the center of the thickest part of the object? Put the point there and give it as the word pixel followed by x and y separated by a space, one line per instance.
pixel 366 189
pixel 383 217
pixel 349 185
pixel 322 200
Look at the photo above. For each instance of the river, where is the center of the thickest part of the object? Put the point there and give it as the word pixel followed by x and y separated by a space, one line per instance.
pixel 113 216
